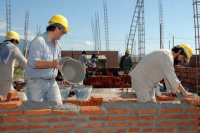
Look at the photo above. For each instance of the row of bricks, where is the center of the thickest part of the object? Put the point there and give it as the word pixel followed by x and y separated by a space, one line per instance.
pixel 187 69
pixel 186 75
pixel 95 110
pixel 121 130
pixel 94 101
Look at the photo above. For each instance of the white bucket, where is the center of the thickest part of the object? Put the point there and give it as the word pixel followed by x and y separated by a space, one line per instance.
pixel 82 92
pixel 64 91
pixel 22 96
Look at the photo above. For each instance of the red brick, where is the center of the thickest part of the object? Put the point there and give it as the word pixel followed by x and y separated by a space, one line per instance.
pixel 37 126
pixel 183 129
pixel 120 124
pixel 92 125
pixel 24 120
pixel 183 116
pixel 38 112
pixel 80 120
pixel 160 130
pixel 171 130
pixel 147 130
pixel 145 123
pixel 12 104
pixel 133 118
pixel 91 110
pixel 94 118
pixel 171 117
pixel 65 131
pixel 147 111
pixel 195 122
pixel 195 115
pixel 120 118
pixel 43 119
pixel 96 98
pixel 120 111
pixel 80 131
pixel 15 113
pixel 195 128
pixel 108 131
pixel 52 131
pixel 11 95
pixel 61 112
pixel 121 131
pixel 95 131
pixel 169 123
pixel 11 127
pixel 10 120
pixel 146 117
pixel 2 104
pixel 134 130
pixel 53 119
pixel 174 110
pixel 108 118
pixel 65 119
pixel 64 125
pixel 159 117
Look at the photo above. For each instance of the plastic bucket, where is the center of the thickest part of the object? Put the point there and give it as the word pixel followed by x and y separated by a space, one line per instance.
pixel 82 92
pixel 64 91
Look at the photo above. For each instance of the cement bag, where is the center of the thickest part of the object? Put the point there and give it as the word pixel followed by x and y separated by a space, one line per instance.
pixel 72 70
pixel 82 92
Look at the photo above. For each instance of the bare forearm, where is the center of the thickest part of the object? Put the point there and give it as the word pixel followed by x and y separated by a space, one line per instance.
pixel 44 64
pixel 181 89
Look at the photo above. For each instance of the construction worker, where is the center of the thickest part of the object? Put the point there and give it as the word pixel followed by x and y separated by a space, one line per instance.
pixel 43 62
pixel 94 60
pixel 156 66
pixel 83 59
pixel 126 62
pixel 9 53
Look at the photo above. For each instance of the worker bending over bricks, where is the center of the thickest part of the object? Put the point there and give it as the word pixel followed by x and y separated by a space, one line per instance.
pixel 156 66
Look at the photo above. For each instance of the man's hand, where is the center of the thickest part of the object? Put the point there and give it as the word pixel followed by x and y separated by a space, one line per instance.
pixel 56 64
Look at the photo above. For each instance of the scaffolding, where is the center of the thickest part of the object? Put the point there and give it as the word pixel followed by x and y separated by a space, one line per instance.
pixel 93 33
pixel 106 25
pixel 8 16
pixel 137 20
pixel 161 24
pixel 196 16
pixel 26 34
pixel 141 34
pixel 97 33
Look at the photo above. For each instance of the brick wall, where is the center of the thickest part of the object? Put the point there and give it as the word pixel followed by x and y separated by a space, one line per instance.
pixel 115 116
pixel 187 76
pixel 112 56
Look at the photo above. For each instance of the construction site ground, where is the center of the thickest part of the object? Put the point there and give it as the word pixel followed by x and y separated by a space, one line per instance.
pixel 111 93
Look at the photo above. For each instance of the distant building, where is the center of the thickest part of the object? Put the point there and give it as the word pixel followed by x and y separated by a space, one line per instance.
pixel 110 58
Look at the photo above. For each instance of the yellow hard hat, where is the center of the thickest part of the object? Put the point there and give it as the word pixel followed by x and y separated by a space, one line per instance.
pixel 128 52
pixel 60 20
pixel 188 51
pixel 13 35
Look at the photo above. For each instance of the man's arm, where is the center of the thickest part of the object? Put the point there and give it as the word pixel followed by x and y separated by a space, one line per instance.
pixel 184 92
pixel 20 58
pixel 41 64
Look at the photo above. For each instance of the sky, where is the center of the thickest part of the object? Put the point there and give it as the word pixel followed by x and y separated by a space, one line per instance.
pixel 177 20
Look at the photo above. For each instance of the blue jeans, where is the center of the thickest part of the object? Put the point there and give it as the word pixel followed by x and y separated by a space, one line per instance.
pixel 43 90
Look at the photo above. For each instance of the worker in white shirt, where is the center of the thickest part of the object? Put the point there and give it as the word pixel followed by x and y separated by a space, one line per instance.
pixel 156 66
